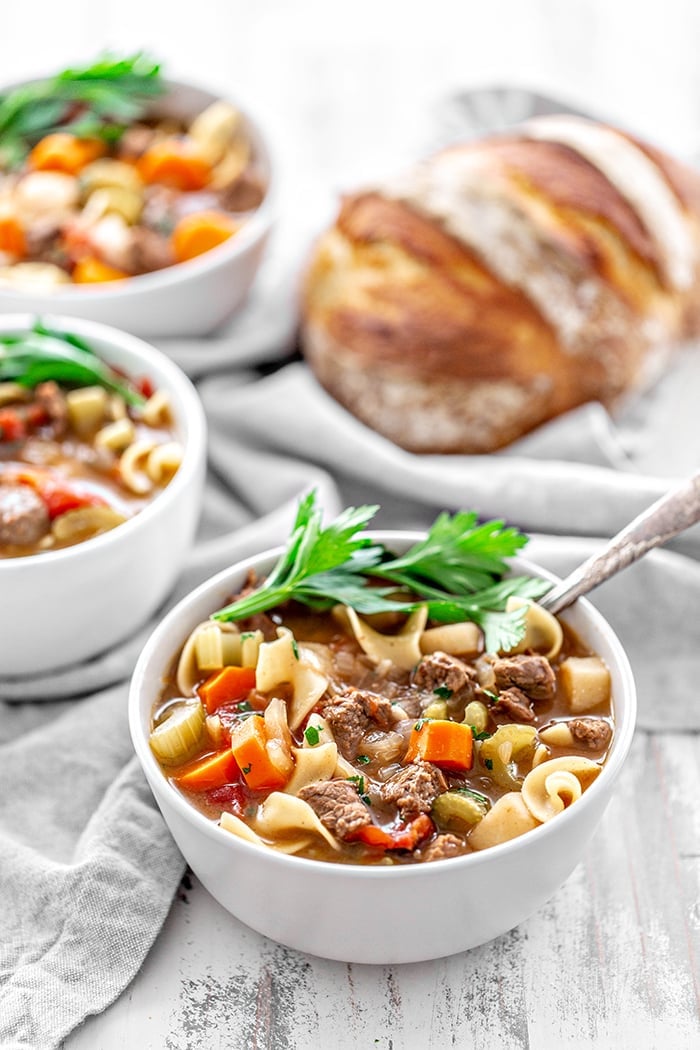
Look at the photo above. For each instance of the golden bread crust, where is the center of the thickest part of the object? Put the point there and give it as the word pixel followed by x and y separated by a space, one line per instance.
pixel 503 283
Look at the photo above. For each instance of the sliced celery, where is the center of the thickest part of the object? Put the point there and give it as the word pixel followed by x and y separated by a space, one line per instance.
pixel 179 735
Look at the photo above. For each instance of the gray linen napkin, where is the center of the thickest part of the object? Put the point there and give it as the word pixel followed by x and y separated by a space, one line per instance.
pixel 87 867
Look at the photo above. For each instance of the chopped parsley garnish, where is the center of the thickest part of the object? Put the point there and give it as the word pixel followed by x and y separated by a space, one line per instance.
pixel 488 762
pixel 243 705
pixel 420 723
pixel 443 692
pixel 491 697
pixel 312 735
pixel 363 759
pixel 359 782
pixel 247 769
pixel 245 635
pixel 480 736
pixel 295 648
pixel 457 571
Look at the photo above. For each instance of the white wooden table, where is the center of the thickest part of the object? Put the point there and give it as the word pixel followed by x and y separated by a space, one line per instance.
pixel 346 92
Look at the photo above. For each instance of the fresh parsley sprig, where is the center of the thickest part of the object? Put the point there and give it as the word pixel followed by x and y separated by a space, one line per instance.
pixel 457 571
pixel 96 101
pixel 32 357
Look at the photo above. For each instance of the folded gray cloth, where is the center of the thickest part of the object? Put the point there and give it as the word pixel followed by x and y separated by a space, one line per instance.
pixel 87 867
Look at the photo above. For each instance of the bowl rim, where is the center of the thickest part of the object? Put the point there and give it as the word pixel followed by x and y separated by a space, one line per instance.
pixel 191 419
pixel 250 233
pixel 622 738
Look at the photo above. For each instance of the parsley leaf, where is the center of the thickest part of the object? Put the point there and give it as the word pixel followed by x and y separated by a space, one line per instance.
pixel 312 735
pixel 443 692
pixel 42 353
pixel 455 571
pixel 100 100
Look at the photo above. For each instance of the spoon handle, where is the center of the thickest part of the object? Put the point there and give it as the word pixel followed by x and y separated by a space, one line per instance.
pixel 674 512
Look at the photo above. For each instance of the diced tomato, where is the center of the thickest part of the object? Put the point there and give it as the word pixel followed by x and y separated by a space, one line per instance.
pixel 230 797
pixel 60 499
pixel 145 386
pixel 399 836
pixel 37 416
pixel 12 426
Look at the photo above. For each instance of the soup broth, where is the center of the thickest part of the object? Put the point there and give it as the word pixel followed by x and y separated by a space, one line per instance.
pixel 380 741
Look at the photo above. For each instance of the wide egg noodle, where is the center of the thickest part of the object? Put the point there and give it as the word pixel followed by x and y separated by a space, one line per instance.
pixel 230 822
pixel 401 649
pixel 508 818
pixel 312 764
pixel 280 815
pixel 543 632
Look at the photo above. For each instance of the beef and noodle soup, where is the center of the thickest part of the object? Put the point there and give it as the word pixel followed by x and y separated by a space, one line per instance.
pixel 387 738
pixel 77 458
pixel 108 190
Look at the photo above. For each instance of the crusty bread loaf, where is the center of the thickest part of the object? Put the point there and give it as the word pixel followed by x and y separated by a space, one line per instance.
pixel 502 282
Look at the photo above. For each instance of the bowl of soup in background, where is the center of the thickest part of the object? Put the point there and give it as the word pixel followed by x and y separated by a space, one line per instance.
pixel 63 606
pixel 194 297
pixel 376 914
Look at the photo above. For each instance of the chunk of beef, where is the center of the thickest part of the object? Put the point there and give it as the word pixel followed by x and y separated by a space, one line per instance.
pixel 591 732
pixel 337 805
pixel 352 713
pixel 414 788
pixel 515 705
pixel 24 518
pixel 148 251
pixel 532 674
pixel 51 398
pixel 243 194
pixel 440 669
pixel 136 140
pixel 442 847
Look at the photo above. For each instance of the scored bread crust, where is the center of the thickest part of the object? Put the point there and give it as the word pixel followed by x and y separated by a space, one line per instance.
pixel 499 284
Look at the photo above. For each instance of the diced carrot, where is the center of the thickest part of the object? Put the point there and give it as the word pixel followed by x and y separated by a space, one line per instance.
pixel 64 152
pixel 405 836
pixel 249 746
pixel 91 270
pixel 211 772
pixel 12 239
pixel 230 683
pixel 201 231
pixel 174 162
pixel 446 744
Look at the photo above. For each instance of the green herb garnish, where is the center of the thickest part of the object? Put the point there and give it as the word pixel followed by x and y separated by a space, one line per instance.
pixel 359 782
pixel 479 736
pixel 41 353
pixel 443 692
pixel 312 735
pixel 456 571
pixel 247 769
pixel 362 759
pixel 295 648
pixel 96 101
pixel 488 762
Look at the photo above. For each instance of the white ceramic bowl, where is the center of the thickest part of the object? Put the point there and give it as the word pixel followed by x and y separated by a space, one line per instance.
pixel 373 914
pixel 190 298
pixel 71 604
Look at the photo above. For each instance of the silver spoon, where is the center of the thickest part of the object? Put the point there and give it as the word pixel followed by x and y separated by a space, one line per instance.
pixel 674 512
